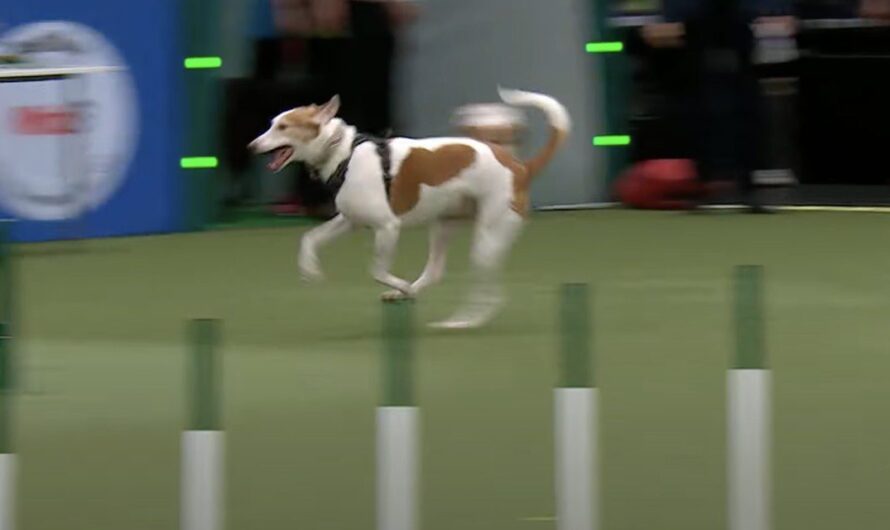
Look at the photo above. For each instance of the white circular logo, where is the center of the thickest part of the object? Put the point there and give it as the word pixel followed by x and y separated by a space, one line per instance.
pixel 65 145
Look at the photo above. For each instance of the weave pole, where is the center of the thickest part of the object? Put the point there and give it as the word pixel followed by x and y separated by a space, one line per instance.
pixel 749 409
pixel 576 402
pixel 398 444
pixel 7 457
pixel 202 442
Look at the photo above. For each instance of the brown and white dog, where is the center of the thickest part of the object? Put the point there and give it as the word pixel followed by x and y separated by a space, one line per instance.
pixel 434 181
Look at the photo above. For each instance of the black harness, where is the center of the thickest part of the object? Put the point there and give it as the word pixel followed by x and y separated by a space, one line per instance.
pixel 338 177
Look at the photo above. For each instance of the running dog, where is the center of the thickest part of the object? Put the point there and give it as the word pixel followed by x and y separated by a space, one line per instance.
pixel 386 184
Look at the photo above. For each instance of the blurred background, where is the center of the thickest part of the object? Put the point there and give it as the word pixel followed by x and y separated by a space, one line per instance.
pixel 792 98
pixel 124 119
pixel 401 67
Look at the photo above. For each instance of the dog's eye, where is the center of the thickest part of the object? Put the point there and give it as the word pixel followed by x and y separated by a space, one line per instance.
pixel 282 127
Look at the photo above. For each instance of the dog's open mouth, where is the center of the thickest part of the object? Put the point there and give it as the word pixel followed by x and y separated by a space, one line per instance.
pixel 280 156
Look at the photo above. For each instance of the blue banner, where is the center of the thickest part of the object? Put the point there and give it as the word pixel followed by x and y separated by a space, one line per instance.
pixel 91 155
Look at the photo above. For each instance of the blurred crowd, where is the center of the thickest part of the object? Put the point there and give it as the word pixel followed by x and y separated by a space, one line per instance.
pixel 305 51
pixel 348 45
pixel 718 51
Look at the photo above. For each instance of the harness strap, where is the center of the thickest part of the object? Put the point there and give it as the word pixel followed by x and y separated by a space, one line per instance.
pixel 339 176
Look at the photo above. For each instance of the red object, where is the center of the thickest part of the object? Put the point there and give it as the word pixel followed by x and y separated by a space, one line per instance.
pixel 660 185
pixel 290 207
pixel 44 120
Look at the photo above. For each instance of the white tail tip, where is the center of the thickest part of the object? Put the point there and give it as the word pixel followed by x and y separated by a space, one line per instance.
pixel 509 95
pixel 556 113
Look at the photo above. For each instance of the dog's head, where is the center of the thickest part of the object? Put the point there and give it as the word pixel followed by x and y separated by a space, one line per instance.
pixel 297 135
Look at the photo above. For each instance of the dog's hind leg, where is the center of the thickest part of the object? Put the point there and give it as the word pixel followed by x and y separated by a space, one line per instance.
pixel 440 235
pixel 386 238
pixel 493 239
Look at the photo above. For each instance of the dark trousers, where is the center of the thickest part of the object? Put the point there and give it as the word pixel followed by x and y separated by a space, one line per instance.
pixel 713 89
pixel 358 67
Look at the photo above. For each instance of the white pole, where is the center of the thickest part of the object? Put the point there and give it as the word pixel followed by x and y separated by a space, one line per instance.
pixel 575 415
pixel 749 449
pixel 7 491
pixel 202 488
pixel 398 441
pixel 748 413
pixel 398 470
pixel 576 458
pixel 8 467
pixel 202 480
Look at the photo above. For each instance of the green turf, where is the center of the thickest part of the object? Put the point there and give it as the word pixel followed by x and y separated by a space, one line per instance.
pixel 103 337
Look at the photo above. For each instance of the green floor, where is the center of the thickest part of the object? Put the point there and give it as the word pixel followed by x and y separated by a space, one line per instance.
pixel 102 333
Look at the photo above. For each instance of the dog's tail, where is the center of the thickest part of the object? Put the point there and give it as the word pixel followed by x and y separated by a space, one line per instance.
pixel 557 116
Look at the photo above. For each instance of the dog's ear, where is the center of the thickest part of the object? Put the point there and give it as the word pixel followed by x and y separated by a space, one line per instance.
pixel 327 111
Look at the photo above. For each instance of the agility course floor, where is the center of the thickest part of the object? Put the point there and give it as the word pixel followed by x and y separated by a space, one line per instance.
pixel 102 334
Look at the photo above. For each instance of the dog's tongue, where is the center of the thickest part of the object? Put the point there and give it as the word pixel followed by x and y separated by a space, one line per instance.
pixel 280 157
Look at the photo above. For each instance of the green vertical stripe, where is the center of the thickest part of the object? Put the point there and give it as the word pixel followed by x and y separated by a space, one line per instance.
pixel 604 47
pixel 613 73
pixel 750 350
pixel 204 376
pixel 611 140
pixel 198 162
pixel 398 353
pixel 201 38
pixel 7 295
pixel 5 390
pixel 198 63
pixel 6 272
pixel 577 366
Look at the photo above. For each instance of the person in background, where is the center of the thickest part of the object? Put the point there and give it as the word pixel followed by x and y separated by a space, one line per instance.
pixel 248 102
pixel 715 82
pixel 267 41
pixel 875 10
pixel 350 49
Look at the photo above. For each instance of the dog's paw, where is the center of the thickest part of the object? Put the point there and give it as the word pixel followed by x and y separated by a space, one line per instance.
pixel 467 319
pixel 396 296
pixel 310 269
pixel 311 275
pixel 454 325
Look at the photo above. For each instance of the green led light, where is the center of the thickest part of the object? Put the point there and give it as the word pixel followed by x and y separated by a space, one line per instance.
pixel 605 47
pixel 198 162
pixel 608 141
pixel 203 62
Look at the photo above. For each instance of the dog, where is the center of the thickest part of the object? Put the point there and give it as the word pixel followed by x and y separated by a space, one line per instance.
pixel 388 184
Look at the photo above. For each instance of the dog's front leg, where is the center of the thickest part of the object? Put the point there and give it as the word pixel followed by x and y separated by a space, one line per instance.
pixel 440 234
pixel 386 238
pixel 313 240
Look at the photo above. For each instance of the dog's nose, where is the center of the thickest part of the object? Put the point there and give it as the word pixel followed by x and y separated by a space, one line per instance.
pixel 251 146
